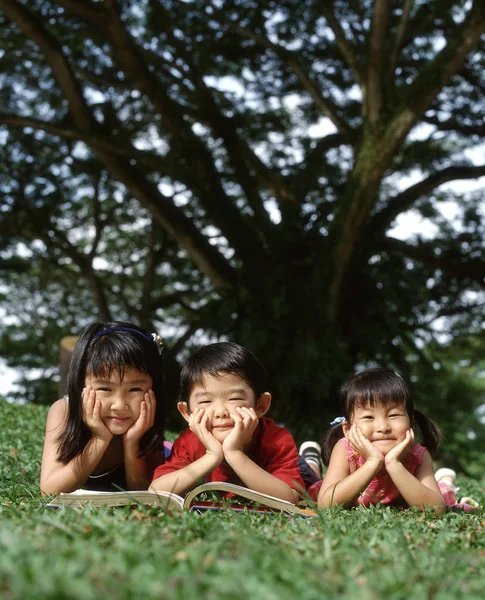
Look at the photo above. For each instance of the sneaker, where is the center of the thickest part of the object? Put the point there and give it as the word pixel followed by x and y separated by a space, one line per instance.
pixel 469 501
pixel 445 473
pixel 312 453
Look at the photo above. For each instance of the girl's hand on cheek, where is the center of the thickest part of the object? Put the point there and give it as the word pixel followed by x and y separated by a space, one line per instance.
pixel 399 452
pixel 245 423
pixel 144 421
pixel 363 446
pixel 92 415
pixel 198 424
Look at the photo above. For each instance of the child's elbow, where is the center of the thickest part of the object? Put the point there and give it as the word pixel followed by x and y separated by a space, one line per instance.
pixel 328 497
pixel 439 510
pixel 47 489
pixel 293 496
pixel 438 507
pixel 156 485
pixel 435 505
pixel 327 501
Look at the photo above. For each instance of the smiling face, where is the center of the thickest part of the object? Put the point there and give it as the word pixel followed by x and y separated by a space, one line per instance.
pixel 219 396
pixel 385 425
pixel 120 397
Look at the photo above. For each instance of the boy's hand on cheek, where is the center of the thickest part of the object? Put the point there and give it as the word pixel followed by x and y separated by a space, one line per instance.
pixel 245 423
pixel 198 422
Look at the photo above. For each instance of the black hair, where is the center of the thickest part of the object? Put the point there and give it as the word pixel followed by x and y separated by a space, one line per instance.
pixel 374 387
pixel 121 346
pixel 222 358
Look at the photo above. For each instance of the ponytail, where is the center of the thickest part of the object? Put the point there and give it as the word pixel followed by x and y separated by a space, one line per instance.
pixel 429 431
pixel 331 437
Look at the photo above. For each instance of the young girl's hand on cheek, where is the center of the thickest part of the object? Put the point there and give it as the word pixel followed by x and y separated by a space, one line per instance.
pixel 399 452
pixel 144 421
pixel 92 415
pixel 245 423
pixel 363 446
pixel 198 422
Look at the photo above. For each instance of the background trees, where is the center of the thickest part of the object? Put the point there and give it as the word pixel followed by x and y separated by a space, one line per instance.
pixel 235 169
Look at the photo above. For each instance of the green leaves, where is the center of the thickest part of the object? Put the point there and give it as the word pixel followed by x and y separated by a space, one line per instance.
pixel 234 170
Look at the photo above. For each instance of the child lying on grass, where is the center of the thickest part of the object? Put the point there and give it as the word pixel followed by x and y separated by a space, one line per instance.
pixel 107 434
pixel 374 457
pixel 224 399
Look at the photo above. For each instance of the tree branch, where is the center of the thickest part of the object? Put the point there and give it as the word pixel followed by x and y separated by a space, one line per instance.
pixel 99 142
pixel 179 345
pixel 447 63
pixel 99 225
pixel 458 266
pixel 85 264
pixel 31 28
pixel 206 256
pixel 149 276
pixel 374 99
pixel 83 261
pixel 325 105
pixel 241 156
pixel 454 125
pixel 344 45
pixel 405 200
pixel 86 10
pixel 399 37
pixel 211 194
pixel 378 147
pixel 304 179
pixel 239 231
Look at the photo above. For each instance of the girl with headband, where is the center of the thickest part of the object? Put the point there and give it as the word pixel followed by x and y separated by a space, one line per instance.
pixel 107 433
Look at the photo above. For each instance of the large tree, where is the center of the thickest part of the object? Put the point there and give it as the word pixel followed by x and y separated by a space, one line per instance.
pixel 270 148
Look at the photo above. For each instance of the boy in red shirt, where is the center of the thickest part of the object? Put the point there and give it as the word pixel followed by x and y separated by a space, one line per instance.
pixel 223 398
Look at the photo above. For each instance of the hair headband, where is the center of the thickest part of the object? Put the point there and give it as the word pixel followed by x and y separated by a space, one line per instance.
pixel 152 337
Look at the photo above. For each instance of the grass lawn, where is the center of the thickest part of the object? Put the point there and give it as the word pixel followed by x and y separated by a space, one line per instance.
pixel 142 553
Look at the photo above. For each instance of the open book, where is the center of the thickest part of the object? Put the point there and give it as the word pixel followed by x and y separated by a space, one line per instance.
pixel 174 503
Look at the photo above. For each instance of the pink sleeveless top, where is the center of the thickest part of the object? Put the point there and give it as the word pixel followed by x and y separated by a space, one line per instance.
pixel 382 489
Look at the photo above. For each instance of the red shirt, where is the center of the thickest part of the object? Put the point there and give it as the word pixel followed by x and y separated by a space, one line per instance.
pixel 273 449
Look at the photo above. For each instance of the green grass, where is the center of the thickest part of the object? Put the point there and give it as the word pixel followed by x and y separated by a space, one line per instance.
pixel 142 553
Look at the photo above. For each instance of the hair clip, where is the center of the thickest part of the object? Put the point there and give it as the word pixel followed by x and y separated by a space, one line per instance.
pixel 337 420
pixel 152 337
pixel 158 342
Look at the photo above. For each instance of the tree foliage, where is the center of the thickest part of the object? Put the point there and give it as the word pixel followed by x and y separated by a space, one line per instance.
pixel 231 168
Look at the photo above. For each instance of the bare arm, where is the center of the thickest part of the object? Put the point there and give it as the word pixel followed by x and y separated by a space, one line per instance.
pixel 421 489
pixel 186 478
pixel 56 477
pixel 339 486
pixel 251 474
pixel 137 471
pixel 256 478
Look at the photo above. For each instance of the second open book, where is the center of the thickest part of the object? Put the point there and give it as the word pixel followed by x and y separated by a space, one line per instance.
pixel 175 503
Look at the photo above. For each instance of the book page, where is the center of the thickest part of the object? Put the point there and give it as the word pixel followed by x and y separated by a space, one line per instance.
pixel 80 497
pixel 243 492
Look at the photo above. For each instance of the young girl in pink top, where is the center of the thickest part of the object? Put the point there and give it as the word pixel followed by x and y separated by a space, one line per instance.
pixel 371 452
